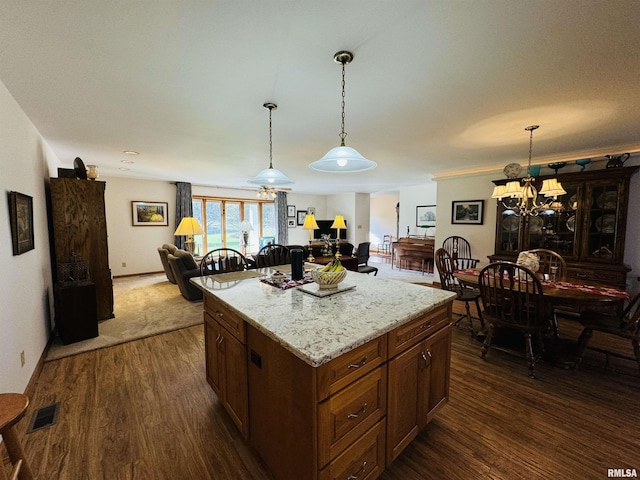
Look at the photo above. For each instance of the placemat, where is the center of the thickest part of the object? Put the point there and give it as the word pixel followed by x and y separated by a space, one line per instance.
pixel 290 283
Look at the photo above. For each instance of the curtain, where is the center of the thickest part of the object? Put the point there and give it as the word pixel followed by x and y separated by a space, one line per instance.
pixel 184 208
pixel 282 229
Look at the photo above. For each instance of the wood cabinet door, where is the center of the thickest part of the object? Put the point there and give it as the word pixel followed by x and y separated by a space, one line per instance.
pixel 234 392
pixel 212 330
pixel 403 404
pixel 437 349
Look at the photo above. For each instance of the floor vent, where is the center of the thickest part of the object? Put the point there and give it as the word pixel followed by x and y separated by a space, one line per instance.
pixel 44 417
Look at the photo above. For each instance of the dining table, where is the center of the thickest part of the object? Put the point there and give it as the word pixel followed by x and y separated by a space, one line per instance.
pixel 575 295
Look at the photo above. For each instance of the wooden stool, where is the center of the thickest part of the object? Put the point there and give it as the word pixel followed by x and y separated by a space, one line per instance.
pixel 13 406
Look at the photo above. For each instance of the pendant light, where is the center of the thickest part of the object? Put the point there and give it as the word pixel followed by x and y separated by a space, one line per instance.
pixel 523 198
pixel 343 158
pixel 270 177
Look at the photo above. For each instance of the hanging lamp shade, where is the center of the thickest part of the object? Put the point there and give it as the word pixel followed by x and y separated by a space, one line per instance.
pixel 270 177
pixel 343 159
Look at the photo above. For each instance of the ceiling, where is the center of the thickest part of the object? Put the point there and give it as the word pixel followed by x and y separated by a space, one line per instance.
pixel 436 88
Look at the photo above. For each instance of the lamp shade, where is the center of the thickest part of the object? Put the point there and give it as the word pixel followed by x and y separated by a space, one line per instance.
pixel 499 192
pixel 343 159
pixel 552 188
pixel 271 177
pixel 189 226
pixel 246 226
pixel 338 222
pixel 310 222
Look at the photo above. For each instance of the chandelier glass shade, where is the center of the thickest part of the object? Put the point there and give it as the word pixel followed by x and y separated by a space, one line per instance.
pixel 522 197
pixel 343 159
pixel 270 177
pixel 266 193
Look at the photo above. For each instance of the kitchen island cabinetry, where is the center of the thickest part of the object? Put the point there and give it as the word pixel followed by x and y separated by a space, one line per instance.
pixel 322 378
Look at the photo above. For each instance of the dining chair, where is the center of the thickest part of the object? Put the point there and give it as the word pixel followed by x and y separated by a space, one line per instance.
pixel 512 299
pixel 273 254
pixel 446 267
pixel 460 251
pixel 551 264
pixel 626 325
pixel 385 246
pixel 362 254
pixel 222 260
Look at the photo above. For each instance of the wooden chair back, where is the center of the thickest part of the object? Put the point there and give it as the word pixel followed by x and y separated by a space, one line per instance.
pixel 222 260
pixel 446 267
pixel 551 263
pixel 512 297
pixel 460 251
pixel 273 254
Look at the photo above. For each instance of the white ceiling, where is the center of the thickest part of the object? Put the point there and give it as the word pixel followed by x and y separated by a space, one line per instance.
pixel 435 88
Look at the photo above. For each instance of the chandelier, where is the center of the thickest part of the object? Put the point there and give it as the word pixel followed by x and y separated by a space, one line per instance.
pixel 343 159
pixel 270 177
pixel 523 198
pixel 266 192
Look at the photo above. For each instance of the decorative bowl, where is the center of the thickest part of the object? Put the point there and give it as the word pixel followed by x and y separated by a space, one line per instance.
pixel 328 280
pixel 278 278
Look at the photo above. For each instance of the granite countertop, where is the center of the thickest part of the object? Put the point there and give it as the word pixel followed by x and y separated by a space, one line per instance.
pixel 315 329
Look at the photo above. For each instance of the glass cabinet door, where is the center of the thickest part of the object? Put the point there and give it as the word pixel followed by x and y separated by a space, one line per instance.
pixel 555 228
pixel 602 222
pixel 509 232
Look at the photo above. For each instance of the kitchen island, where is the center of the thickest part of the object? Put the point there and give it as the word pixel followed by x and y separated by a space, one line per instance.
pixel 329 387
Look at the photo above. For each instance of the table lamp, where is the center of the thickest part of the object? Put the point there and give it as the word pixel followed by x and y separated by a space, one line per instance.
pixel 245 228
pixel 311 225
pixel 338 223
pixel 189 226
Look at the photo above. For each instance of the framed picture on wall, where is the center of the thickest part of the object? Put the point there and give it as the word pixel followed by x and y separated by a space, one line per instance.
pixel 291 222
pixel 291 210
pixel 301 215
pixel 469 212
pixel 147 214
pixel 21 217
pixel 426 216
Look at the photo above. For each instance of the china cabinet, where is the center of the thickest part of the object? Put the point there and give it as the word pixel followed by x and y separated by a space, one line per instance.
pixel 586 226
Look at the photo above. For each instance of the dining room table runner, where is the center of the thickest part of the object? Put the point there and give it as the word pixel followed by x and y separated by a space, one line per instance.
pixel 562 285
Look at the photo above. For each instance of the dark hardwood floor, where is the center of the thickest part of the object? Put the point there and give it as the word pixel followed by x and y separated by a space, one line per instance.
pixel 143 410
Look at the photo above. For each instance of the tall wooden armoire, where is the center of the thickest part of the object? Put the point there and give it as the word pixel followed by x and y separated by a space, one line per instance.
pixel 80 232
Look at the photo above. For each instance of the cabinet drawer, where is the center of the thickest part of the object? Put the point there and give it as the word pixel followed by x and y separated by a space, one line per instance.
pixel 363 460
pixel 412 332
pixel 225 317
pixel 341 371
pixel 345 416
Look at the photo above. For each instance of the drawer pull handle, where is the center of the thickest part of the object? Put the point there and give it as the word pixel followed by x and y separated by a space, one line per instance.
pixel 358 473
pixel 425 325
pixel 359 412
pixel 219 314
pixel 359 364
pixel 581 275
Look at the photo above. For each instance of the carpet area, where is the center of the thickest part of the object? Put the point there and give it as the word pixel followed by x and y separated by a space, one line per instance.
pixel 144 305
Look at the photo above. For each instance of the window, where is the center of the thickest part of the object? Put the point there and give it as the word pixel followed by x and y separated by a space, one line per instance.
pixel 222 220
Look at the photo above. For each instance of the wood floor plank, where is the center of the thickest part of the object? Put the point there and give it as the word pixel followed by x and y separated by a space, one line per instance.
pixel 143 410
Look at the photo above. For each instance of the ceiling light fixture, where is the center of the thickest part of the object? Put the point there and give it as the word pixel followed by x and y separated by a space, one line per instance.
pixel 343 159
pixel 131 152
pixel 270 177
pixel 523 198
pixel 266 192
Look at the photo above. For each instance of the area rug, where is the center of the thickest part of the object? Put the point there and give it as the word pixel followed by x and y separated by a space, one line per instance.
pixel 144 305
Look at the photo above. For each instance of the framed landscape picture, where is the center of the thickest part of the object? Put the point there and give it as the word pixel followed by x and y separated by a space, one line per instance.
pixel 426 216
pixel 291 222
pixel 21 213
pixel 470 212
pixel 147 214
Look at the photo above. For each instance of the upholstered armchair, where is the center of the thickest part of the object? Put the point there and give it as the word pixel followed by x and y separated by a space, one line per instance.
pixel 185 267
pixel 164 251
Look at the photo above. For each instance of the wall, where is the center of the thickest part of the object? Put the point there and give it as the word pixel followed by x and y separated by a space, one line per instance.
pixel 383 217
pixel 412 197
pixel 26 292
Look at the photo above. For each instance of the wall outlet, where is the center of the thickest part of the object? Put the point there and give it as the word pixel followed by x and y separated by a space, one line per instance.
pixel 124 264
pixel 22 360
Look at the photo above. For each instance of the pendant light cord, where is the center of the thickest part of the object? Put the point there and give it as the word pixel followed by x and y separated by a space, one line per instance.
pixel 342 134
pixel 270 141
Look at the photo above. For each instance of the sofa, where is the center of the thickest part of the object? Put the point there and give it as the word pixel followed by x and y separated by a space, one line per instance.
pixel 164 251
pixel 184 267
